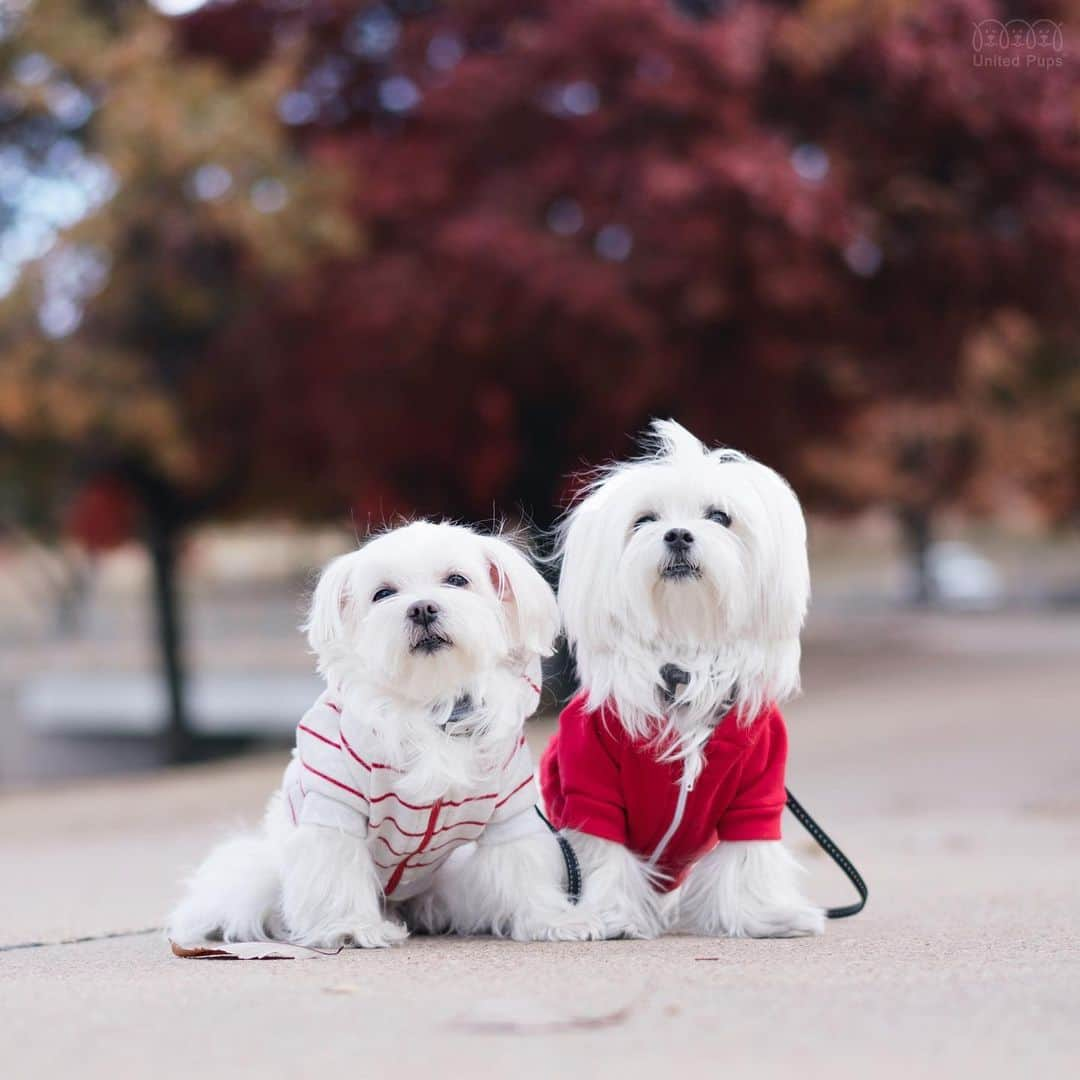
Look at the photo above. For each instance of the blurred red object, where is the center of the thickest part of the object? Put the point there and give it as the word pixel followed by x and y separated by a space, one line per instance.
pixel 103 515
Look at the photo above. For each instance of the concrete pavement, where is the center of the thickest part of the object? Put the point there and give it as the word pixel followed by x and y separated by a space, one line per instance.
pixel 943 754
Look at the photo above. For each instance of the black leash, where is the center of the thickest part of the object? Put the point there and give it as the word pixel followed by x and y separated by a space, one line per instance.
pixel 573 867
pixel 834 853
pixel 671 678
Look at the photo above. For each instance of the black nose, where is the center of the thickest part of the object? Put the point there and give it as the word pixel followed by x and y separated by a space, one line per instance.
pixel 423 613
pixel 679 539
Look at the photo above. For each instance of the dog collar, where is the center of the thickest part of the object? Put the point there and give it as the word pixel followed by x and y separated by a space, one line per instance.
pixel 672 677
pixel 462 709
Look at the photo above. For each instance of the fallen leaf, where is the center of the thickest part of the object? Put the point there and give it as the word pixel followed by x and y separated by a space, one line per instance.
pixel 248 950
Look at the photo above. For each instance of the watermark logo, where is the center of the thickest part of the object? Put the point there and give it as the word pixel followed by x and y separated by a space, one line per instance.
pixel 1017 43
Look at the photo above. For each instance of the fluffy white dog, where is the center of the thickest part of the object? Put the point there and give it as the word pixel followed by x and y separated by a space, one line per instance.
pixel 429 639
pixel 683 590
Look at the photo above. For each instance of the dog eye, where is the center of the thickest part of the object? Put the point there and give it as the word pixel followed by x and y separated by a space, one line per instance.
pixel 721 517
pixel 645 519
pixel 459 581
pixel 383 593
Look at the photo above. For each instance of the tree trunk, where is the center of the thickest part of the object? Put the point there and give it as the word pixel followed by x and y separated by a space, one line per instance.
pixel 161 539
pixel 542 425
pixel 916 528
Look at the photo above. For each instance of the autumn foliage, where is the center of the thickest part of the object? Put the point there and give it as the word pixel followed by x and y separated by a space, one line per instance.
pixel 353 258
pixel 818 231
pixel 792 226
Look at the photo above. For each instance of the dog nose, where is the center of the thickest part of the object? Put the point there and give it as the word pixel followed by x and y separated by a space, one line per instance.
pixel 680 539
pixel 423 613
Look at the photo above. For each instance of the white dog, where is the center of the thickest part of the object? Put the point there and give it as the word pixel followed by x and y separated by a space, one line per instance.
pixel 683 589
pixel 429 639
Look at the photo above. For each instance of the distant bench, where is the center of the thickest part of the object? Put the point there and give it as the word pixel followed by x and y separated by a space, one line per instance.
pixel 132 703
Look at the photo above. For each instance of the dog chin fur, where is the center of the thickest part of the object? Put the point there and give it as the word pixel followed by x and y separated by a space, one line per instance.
pixel 318 886
pixel 733 626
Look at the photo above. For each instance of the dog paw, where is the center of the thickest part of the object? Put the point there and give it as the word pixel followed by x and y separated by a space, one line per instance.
pixel 805 921
pixel 620 924
pixel 599 927
pixel 380 934
pixel 626 930
pixel 568 929
pixel 559 931
pixel 559 924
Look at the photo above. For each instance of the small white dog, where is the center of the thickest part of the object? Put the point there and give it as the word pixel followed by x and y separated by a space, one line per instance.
pixel 429 639
pixel 683 589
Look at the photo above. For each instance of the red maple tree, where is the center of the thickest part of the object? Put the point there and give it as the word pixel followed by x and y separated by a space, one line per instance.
pixel 791 225
pixel 761 218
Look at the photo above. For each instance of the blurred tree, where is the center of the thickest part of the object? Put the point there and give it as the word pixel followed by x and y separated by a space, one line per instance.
pixel 801 228
pixel 148 201
pixel 778 221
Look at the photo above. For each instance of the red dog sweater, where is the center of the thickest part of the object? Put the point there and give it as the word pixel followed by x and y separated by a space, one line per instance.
pixel 599 780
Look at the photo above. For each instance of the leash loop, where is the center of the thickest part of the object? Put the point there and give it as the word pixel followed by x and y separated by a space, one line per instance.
pixel 834 853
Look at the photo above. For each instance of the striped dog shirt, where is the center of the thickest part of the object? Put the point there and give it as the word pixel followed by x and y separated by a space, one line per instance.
pixel 336 780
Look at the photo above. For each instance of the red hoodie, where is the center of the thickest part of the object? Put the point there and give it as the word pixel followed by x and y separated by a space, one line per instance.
pixel 599 780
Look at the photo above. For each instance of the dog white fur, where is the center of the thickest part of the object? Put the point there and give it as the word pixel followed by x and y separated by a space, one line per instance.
pixel 733 627
pixel 319 886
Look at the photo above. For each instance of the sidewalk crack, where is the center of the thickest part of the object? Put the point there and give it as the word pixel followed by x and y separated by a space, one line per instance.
pixel 80 940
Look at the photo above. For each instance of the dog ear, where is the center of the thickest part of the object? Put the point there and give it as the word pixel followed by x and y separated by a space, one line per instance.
pixel 534 613
pixel 785 579
pixel 325 623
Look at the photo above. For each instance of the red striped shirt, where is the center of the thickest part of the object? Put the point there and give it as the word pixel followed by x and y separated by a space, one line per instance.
pixel 337 780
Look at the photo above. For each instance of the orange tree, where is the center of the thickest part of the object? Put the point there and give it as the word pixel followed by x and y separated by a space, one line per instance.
pixel 149 199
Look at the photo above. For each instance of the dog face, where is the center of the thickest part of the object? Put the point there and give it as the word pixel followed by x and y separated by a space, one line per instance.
pixel 425 610
pixel 687 553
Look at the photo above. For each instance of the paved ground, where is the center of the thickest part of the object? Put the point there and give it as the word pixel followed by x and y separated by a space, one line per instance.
pixel 943 753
